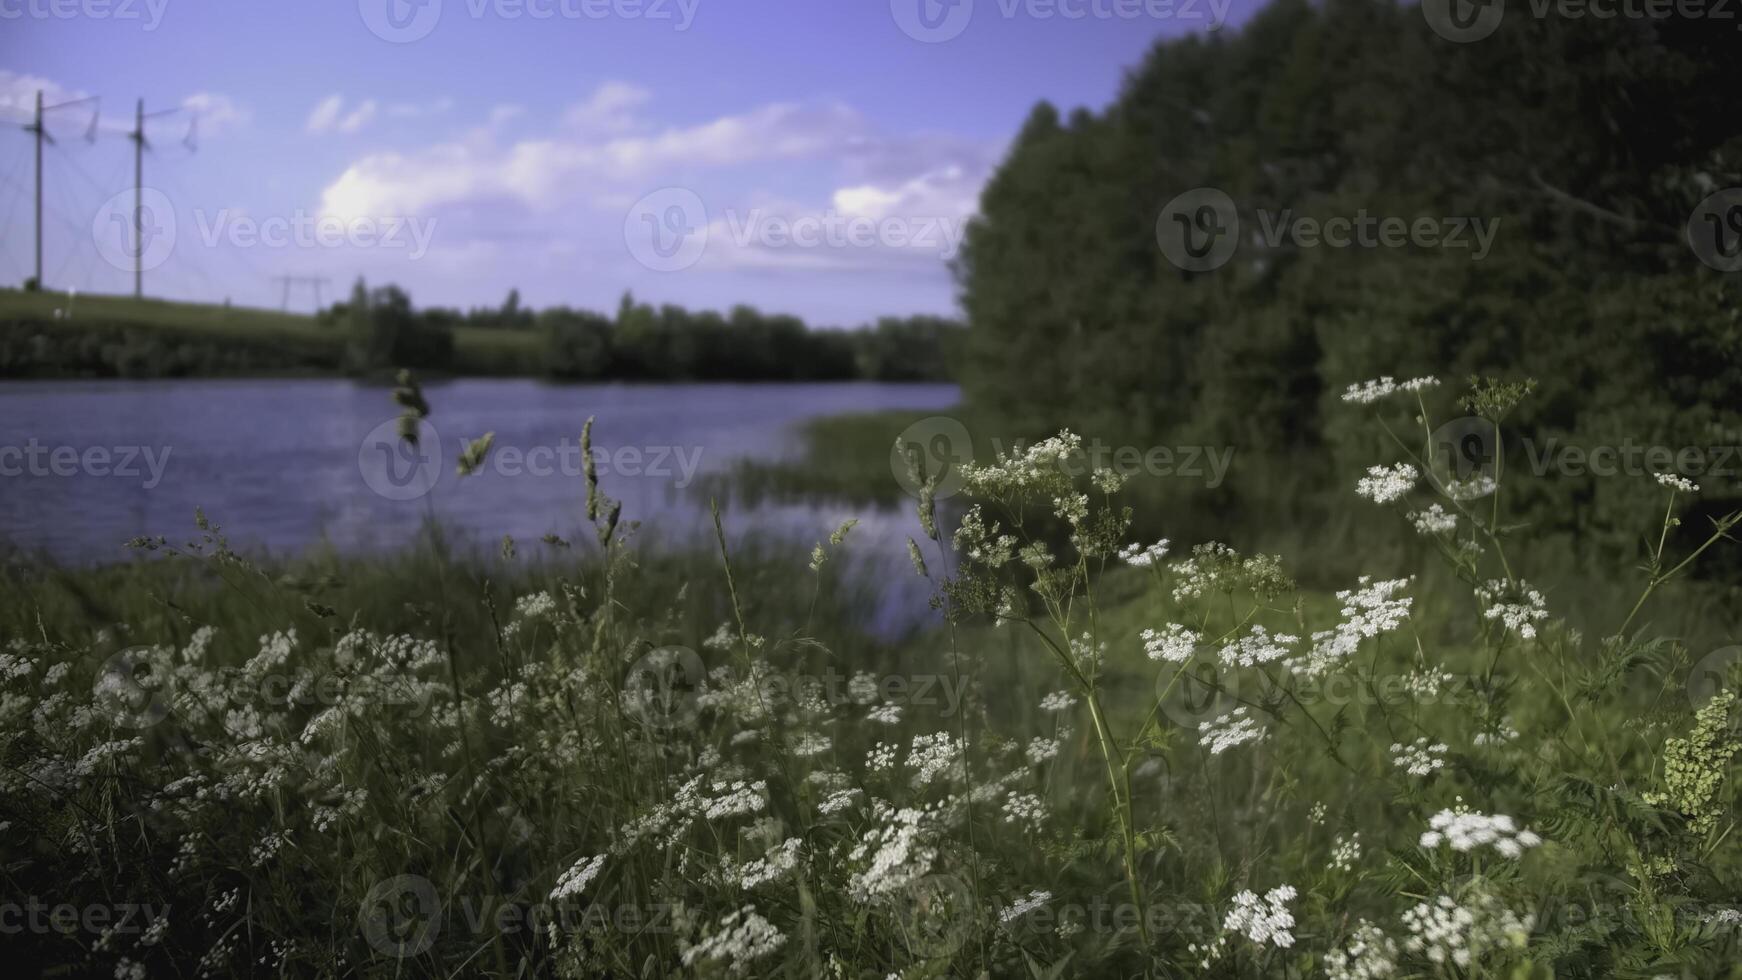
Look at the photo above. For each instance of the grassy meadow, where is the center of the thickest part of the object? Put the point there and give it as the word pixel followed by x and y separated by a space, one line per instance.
pixel 1100 754
pixel 55 334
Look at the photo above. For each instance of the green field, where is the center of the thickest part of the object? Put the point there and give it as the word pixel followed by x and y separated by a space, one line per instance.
pixel 122 336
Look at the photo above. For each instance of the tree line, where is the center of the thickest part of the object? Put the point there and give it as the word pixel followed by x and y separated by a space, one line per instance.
pixel 647 343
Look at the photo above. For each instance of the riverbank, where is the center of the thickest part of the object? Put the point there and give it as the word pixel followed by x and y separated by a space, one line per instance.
pixel 61 335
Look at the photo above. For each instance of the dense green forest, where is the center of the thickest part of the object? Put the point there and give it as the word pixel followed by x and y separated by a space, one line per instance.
pixel 1585 146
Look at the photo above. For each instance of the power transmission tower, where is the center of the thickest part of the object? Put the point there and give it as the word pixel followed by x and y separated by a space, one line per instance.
pixel 313 281
pixel 40 131
pixel 139 146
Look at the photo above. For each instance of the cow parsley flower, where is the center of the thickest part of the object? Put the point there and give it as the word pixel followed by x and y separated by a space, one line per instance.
pixel 1174 644
pixel 1387 484
pixel 1434 520
pixel 1228 731
pixel 1680 483
pixel 1041 750
pixel 1058 701
pixel 1368 392
pixel 896 852
pixel 932 756
pixel 1447 930
pixel 1419 758
pixel 1345 852
pixel 1266 920
pixel 1466 830
pixel 575 880
pixel 538 605
pixel 1143 556
pixel 1369 954
pixel 1368 611
pixel 1516 605
pixel 1257 647
pixel 1025 809
pixel 1036 898
pixel 737 941
pixel 839 800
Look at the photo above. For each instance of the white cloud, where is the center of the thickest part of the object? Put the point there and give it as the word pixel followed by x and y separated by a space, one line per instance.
pixel 325 114
pixel 358 118
pixel 216 112
pixel 330 115
pixel 18 94
pixel 577 183
pixel 610 109
pixel 419 110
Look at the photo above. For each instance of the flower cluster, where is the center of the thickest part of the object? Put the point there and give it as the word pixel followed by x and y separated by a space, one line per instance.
pixel 1228 731
pixel 1515 605
pixel 1419 758
pixel 1387 484
pixel 1447 930
pixel 1174 644
pixel 1466 830
pixel 1368 392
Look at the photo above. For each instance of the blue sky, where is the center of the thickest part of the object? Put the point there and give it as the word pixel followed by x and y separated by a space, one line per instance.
pixel 817 157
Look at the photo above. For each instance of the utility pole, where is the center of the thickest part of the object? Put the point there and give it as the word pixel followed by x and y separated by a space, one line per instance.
pixel 140 145
pixel 139 200
pixel 40 131
pixel 315 282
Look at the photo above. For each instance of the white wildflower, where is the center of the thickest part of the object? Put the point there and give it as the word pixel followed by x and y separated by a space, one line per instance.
pixel 1266 920
pixel 1434 520
pixel 1035 899
pixel 1174 644
pixel 575 880
pixel 1466 830
pixel 1386 484
pixel 1143 555
pixel 1230 730
pixel 1419 758
pixel 1675 482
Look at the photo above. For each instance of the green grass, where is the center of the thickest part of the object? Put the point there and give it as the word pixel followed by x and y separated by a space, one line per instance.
pixel 446 737
pixel 163 337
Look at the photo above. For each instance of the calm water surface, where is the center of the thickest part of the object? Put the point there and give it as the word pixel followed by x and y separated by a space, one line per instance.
pixel 283 465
